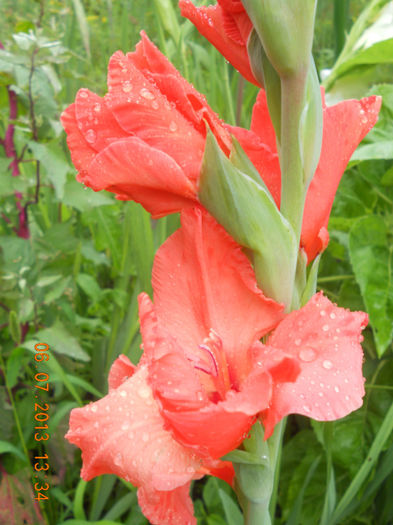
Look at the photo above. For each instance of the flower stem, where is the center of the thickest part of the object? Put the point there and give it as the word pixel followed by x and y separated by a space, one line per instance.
pixel 256 514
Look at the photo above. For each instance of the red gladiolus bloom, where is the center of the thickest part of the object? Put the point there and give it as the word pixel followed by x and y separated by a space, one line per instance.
pixel 227 26
pixel 344 126
pixel 204 376
pixel 145 139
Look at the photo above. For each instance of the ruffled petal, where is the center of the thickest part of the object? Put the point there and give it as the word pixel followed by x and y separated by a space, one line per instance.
pixel 124 434
pixel 210 22
pixel 344 126
pixel 95 121
pixel 325 340
pixel 203 281
pixel 141 109
pixel 121 370
pixel 81 152
pixel 135 171
pixel 167 508
pixel 187 100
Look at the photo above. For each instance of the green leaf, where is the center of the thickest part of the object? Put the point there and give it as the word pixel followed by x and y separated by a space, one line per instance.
pixel 231 509
pixel 51 157
pixel 62 342
pixel 14 326
pixel 371 258
pixel 83 198
pixel 247 211
pixel 89 286
pixel 6 447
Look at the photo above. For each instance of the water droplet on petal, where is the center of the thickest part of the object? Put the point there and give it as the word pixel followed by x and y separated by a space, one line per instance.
pixel 91 136
pixel 83 94
pixel 172 126
pixel 298 342
pixel 155 104
pixel 97 108
pixel 332 315
pixel 307 355
pixel 127 86
pixel 93 408
pixel 325 327
pixel 145 93
pixel 144 392
pixel 336 389
pixel 145 437
pixel 125 426
pixel 322 313
pixel 327 364
pixel 123 393
pixel 306 408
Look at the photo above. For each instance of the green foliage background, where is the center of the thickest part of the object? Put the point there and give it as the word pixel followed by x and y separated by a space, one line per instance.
pixel 74 282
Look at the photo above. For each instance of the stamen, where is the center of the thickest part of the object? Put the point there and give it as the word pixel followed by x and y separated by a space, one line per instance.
pixel 212 356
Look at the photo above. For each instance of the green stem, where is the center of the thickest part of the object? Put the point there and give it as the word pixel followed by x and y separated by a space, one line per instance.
pixel 256 514
pixel 275 445
pixel 340 24
pixel 292 186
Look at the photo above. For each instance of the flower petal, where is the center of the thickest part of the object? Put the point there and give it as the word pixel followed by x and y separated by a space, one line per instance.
pixel 187 100
pixel 210 22
pixel 344 126
pixel 81 152
pixel 325 339
pixel 136 171
pixel 121 370
pixel 141 109
pixel 124 434
pixel 95 121
pixel 203 281
pixel 167 508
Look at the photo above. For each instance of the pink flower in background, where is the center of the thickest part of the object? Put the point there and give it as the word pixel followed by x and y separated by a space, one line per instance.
pixel 204 376
pixel 344 126
pixel 145 139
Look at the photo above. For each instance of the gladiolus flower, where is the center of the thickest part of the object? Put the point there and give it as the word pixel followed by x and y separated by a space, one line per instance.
pixel 344 126
pixel 145 139
pixel 227 26
pixel 204 377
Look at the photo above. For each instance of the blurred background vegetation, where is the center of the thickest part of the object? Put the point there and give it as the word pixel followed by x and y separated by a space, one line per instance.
pixel 72 261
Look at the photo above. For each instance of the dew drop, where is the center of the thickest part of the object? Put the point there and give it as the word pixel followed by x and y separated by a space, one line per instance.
pixel 127 86
pixel 118 459
pixel 327 364
pixel 93 408
pixel 91 136
pixel 172 126
pixel 307 355
pixel 332 315
pixel 298 342
pixel 123 393
pixel 145 437
pixel 144 392
pixel 336 389
pixel 306 408
pixel 322 313
pixel 83 94
pixel 145 93
pixel 97 108
pixel 325 327
pixel 125 426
